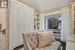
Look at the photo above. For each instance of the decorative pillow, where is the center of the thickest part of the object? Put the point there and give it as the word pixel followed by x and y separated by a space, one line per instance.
pixel 52 35
pixel 32 39
pixel 44 39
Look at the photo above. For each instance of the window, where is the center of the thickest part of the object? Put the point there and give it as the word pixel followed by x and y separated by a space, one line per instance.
pixel 53 21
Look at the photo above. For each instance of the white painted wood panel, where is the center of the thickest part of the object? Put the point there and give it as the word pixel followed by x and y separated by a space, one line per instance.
pixel 21 19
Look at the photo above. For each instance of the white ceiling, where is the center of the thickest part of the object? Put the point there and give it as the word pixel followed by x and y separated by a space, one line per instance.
pixel 45 5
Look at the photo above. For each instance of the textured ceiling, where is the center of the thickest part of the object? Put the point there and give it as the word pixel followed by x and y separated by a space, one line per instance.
pixel 45 5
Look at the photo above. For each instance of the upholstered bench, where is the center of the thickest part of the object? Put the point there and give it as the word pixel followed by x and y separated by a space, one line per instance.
pixel 40 41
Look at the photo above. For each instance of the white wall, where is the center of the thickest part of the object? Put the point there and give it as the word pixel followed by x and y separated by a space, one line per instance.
pixel 66 24
pixel 21 19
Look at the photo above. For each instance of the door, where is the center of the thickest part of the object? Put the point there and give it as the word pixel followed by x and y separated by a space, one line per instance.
pixel 4 22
